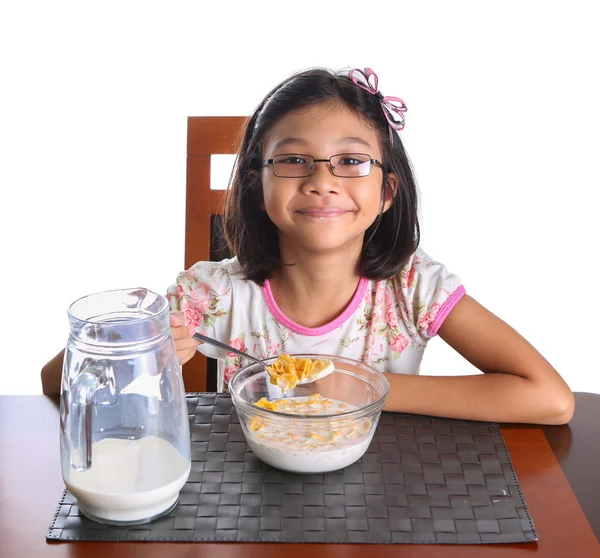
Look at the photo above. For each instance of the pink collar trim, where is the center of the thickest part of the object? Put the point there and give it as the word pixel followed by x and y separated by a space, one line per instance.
pixel 315 331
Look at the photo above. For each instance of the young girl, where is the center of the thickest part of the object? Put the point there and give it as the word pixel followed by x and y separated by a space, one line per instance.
pixel 322 216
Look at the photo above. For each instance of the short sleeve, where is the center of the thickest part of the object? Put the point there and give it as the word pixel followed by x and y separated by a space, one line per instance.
pixel 430 292
pixel 203 293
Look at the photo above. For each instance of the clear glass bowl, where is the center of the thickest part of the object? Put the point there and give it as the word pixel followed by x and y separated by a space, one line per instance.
pixel 318 443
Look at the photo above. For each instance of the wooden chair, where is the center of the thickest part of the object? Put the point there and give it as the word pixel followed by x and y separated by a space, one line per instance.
pixel 204 240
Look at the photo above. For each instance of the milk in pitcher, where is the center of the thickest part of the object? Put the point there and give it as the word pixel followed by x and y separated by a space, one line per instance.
pixel 129 480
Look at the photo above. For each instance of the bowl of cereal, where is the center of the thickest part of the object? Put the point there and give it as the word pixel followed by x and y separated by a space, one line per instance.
pixel 315 427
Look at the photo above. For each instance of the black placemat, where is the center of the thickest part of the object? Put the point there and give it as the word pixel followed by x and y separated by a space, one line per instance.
pixel 422 480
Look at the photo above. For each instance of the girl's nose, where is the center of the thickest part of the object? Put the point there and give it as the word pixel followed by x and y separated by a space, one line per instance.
pixel 322 181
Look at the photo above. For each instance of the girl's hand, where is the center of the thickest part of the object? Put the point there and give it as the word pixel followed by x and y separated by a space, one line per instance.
pixel 183 336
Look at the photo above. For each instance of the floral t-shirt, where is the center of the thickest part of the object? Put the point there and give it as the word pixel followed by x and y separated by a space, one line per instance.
pixel 386 325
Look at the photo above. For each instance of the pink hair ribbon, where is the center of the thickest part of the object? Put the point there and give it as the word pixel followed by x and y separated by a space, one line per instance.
pixel 392 106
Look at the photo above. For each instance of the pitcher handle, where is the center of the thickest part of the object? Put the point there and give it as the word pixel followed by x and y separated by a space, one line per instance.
pixel 81 396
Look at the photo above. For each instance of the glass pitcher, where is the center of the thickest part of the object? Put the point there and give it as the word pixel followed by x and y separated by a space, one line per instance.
pixel 124 432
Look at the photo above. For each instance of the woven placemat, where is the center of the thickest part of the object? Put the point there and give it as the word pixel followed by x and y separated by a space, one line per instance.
pixel 422 480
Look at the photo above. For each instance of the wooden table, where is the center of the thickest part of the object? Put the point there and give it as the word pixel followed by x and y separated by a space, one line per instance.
pixel 558 469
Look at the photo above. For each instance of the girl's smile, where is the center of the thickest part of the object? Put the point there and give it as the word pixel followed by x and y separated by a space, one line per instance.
pixel 322 212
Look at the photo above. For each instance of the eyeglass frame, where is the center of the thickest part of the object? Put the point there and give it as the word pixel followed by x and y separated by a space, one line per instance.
pixel 371 162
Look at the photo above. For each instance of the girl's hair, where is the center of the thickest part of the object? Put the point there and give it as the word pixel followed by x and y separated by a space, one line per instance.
pixel 250 233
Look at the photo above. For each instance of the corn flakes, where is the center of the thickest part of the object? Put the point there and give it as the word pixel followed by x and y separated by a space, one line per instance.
pixel 287 370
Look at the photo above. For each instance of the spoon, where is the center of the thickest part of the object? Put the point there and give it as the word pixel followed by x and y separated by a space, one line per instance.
pixel 201 337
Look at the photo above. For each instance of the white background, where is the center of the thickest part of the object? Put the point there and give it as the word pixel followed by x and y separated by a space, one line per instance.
pixel 502 128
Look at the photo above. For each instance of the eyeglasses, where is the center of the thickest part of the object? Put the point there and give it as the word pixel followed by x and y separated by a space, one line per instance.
pixel 344 165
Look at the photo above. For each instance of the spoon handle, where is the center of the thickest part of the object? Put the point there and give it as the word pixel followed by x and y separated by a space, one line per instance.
pixel 228 348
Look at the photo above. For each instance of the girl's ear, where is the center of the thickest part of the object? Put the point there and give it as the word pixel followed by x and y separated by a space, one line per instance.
pixel 390 190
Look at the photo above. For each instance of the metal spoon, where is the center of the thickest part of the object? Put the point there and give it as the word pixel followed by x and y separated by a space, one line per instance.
pixel 325 372
pixel 228 348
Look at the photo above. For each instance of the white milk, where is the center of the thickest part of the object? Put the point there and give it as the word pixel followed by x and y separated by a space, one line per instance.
pixel 316 449
pixel 130 480
pixel 308 462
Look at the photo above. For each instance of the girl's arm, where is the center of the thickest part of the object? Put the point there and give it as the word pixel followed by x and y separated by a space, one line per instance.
pixel 518 384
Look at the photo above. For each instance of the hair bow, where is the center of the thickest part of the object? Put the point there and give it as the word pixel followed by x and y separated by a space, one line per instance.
pixel 391 105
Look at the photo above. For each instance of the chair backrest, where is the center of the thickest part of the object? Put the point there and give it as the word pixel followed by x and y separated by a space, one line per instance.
pixel 207 136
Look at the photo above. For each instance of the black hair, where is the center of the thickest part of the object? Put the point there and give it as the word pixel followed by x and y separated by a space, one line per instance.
pixel 253 237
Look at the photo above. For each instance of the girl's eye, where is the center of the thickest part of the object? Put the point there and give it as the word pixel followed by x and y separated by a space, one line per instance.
pixel 292 160
pixel 350 161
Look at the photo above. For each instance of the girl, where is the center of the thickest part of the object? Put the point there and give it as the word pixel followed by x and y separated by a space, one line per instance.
pixel 322 216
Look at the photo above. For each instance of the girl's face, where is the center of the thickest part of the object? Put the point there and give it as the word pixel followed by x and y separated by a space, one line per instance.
pixel 323 212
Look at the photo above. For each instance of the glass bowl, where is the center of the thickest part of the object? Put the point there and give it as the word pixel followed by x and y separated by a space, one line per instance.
pixel 317 443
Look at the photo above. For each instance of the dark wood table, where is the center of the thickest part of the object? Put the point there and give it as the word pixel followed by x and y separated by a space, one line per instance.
pixel 558 469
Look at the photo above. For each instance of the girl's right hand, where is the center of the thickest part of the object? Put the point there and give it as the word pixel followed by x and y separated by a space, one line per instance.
pixel 183 336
